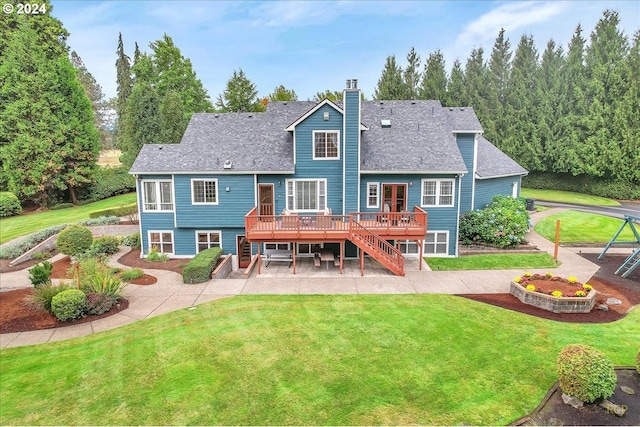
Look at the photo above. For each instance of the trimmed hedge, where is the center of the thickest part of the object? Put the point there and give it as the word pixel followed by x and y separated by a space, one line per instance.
pixel 69 305
pixel 585 373
pixel 199 269
pixel 9 204
pixel 119 211
pixel 601 187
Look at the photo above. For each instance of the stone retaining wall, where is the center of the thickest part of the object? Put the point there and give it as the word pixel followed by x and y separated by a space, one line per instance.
pixel 554 304
pixel 223 270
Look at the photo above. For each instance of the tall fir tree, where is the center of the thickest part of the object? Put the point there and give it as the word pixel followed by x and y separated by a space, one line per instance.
pixel 95 94
pixel 124 85
pixel 141 123
pixel 391 85
pixel 434 78
pixel 456 94
pixel 499 73
pixel 411 75
pixel 240 95
pixel 281 93
pixel 476 84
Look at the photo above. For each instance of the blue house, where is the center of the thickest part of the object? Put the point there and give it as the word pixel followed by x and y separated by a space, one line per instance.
pixel 387 179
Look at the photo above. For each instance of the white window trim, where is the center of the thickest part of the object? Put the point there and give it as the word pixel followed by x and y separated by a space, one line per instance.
pixel 219 232
pixel 173 240
pixel 377 185
pixel 317 180
pixel 313 145
pixel 158 202
pixel 432 254
pixel 397 244
pixel 193 193
pixel 264 247
pixel 438 182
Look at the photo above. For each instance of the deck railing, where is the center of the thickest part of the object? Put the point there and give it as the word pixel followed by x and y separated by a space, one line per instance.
pixel 377 247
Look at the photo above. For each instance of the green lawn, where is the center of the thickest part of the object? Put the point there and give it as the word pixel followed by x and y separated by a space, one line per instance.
pixel 567 197
pixel 22 225
pixel 493 262
pixel 582 227
pixel 304 360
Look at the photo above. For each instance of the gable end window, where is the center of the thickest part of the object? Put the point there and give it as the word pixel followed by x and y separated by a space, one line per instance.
pixel 157 196
pixel 204 191
pixel 437 192
pixel 326 145
pixel 373 193
pixel 307 195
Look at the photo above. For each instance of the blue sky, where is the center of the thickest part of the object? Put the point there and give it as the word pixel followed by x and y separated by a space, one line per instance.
pixel 313 46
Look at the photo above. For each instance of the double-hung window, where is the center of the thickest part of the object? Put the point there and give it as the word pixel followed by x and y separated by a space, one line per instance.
pixel 204 191
pixel 326 145
pixel 208 239
pixel 307 195
pixel 437 192
pixel 157 196
pixel 373 194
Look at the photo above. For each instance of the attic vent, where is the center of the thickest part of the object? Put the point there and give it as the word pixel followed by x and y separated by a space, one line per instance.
pixel 216 115
pixel 228 164
pixel 451 109
pixel 325 116
pixel 385 123
pixel 250 115
pixel 462 109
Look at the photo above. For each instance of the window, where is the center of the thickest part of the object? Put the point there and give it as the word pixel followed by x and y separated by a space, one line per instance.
pixel 437 192
pixel 162 241
pixel 436 243
pixel 157 196
pixel 307 195
pixel 276 246
pixel 208 239
pixel 204 191
pixel 407 246
pixel 325 145
pixel 373 191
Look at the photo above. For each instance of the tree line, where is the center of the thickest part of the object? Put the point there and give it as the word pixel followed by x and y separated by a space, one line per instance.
pixel 572 112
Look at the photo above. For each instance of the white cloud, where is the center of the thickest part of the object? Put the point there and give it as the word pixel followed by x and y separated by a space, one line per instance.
pixel 510 16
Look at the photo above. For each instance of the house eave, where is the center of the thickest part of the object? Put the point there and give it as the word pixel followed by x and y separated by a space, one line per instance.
pixel 500 176
pixel 209 172
pixel 412 172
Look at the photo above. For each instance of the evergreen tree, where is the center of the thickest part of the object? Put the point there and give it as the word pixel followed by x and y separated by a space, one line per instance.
pixel 240 95
pixel 412 75
pixel 124 83
pixel 49 141
pixel 476 83
pixel 281 93
pixel 456 94
pixel 390 85
pixel 141 123
pixel 172 124
pixel 94 92
pixel 522 140
pixel 499 72
pixel 606 87
pixel 434 80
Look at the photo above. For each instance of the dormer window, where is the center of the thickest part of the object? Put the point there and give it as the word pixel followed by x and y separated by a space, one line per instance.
pixel 326 145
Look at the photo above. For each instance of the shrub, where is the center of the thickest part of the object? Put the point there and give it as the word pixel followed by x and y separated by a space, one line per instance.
pixel 131 274
pixel 107 245
pixel 104 283
pixel 99 303
pixel 585 373
pixel 74 240
pixel 504 222
pixel 155 255
pixel 199 269
pixel 132 240
pixel 621 190
pixel 61 206
pixel 103 220
pixel 68 305
pixel 42 295
pixel 88 267
pixel 41 255
pixel 9 204
pixel 109 182
pixel 39 274
pixel 119 211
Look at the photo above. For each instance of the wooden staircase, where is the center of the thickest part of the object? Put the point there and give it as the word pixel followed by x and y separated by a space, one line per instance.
pixel 629 264
pixel 377 247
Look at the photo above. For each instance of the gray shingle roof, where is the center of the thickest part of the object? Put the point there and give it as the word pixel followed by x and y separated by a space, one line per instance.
pixel 420 138
pixel 493 163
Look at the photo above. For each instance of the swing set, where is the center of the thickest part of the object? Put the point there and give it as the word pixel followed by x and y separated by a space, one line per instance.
pixel 633 260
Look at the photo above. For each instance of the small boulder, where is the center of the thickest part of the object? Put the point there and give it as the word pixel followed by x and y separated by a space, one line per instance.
pixel 603 307
pixel 612 408
pixel 571 400
pixel 627 390
pixel 613 301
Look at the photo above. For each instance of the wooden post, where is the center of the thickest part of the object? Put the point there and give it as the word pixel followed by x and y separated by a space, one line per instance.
pixel 361 262
pixel 293 253
pixel 555 250
pixel 421 260
pixel 259 258
pixel 341 255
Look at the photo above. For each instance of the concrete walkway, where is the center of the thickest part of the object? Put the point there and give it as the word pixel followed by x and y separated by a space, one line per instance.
pixel 170 294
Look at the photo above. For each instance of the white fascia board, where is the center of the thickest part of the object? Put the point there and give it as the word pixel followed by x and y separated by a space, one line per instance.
pixel 418 172
pixel 501 176
pixel 302 118
pixel 218 173
pixel 479 132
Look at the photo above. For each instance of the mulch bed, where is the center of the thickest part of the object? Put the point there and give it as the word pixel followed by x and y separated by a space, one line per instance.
pixel 132 259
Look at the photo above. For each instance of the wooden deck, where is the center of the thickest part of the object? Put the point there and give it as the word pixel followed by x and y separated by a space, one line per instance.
pixel 320 227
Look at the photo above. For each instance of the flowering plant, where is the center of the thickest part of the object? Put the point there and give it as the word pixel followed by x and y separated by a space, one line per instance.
pixel 527 274
pixel 587 287
pixel 550 284
pixel 530 288
pixel 518 279
pixel 556 294
pixel 548 274
pixel 572 279
pixel 580 294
